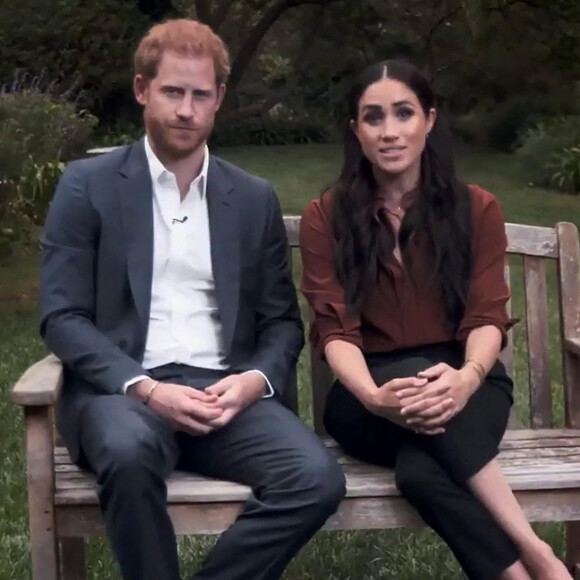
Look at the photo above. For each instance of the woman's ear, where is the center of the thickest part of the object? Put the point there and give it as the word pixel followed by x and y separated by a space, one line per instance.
pixel 431 118
pixel 353 127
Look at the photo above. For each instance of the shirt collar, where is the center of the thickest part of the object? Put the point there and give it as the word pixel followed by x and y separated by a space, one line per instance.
pixel 407 200
pixel 159 172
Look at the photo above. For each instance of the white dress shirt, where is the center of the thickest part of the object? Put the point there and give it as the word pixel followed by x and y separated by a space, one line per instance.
pixel 184 323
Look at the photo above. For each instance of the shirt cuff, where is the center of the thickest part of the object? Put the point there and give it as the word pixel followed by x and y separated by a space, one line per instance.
pixel 133 381
pixel 270 390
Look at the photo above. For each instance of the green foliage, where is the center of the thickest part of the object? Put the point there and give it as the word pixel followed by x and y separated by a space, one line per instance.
pixel 121 132
pixel 24 202
pixel 507 120
pixel 547 153
pixel 274 67
pixel 271 131
pixel 33 125
pixel 502 51
pixel 37 135
pixel 565 167
pixel 500 125
pixel 468 128
pixel 88 41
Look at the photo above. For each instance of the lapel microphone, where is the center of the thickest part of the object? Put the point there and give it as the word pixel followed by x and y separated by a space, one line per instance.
pixel 179 221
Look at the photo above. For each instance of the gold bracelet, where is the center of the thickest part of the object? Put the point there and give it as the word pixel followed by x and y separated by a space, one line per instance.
pixel 150 392
pixel 477 367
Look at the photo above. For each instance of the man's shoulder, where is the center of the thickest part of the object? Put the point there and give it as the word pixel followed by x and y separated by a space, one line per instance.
pixel 101 165
pixel 239 177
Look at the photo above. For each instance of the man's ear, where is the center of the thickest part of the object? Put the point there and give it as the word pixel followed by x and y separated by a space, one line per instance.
pixel 141 89
pixel 221 93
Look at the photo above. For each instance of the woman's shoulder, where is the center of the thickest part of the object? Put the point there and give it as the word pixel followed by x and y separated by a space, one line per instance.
pixel 483 201
pixel 486 212
pixel 318 209
pixel 480 196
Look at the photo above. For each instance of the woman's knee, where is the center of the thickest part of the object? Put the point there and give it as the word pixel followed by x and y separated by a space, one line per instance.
pixel 414 476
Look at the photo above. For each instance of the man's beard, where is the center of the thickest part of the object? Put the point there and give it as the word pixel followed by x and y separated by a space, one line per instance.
pixel 174 149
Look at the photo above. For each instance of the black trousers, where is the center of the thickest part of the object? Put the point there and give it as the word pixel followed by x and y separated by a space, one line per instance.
pixel 431 471
pixel 296 483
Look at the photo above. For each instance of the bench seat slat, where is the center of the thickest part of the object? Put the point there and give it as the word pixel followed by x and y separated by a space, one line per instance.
pixel 353 514
pixel 530 461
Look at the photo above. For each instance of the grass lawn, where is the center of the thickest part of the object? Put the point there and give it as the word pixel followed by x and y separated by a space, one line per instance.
pixel 298 173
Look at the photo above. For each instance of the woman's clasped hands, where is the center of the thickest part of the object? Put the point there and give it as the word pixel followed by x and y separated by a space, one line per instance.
pixel 427 402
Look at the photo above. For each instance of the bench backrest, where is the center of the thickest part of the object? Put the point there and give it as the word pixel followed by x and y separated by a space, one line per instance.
pixel 548 257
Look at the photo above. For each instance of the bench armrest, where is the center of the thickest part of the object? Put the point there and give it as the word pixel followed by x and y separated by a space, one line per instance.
pixel 572 345
pixel 40 384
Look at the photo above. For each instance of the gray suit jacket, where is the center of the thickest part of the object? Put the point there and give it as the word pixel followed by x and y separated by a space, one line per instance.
pixel 97 270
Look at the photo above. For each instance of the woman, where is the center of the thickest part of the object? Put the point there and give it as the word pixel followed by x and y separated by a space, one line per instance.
pixel 403 268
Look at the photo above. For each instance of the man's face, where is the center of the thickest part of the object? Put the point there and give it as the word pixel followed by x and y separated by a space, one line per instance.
pixel 179 104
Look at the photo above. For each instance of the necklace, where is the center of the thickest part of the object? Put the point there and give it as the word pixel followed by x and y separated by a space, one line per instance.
pixel 396 212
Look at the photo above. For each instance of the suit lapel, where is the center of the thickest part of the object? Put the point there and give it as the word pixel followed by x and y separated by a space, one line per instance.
pixel 225 248
pixel 136 195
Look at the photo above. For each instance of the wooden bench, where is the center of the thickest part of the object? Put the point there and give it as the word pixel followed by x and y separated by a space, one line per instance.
pixel 542 463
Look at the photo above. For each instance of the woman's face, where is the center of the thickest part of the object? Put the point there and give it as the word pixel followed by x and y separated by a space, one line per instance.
pixel 392 127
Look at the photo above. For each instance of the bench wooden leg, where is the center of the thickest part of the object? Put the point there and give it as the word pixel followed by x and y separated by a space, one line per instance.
pixel 573 548
pixel 40 471
pixel 73 559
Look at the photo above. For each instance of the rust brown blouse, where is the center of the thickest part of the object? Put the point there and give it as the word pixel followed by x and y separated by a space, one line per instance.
pixel 400 313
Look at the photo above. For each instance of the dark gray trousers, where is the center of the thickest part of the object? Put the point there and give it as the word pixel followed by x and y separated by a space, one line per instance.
pixel 296 483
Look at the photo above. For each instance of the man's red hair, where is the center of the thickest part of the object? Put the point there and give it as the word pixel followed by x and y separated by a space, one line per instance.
pixel 186 38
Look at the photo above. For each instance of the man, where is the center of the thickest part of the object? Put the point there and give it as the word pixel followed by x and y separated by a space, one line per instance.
pixel 167 294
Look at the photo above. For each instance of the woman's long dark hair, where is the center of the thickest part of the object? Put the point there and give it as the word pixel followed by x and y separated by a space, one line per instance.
pixel 441 214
